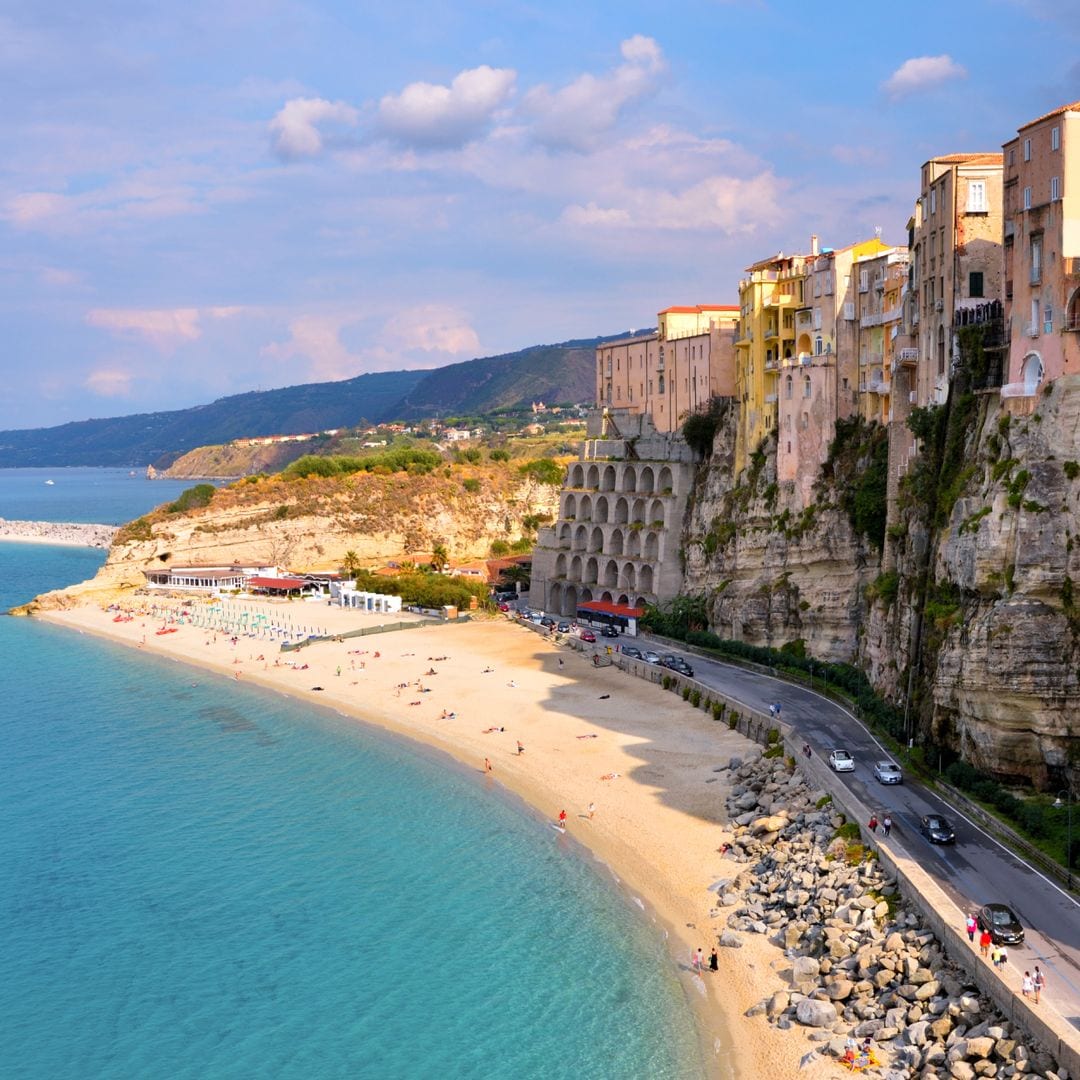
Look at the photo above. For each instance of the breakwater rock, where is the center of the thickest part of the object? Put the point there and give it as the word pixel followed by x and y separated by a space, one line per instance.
pixel 857 960
pixel 57 532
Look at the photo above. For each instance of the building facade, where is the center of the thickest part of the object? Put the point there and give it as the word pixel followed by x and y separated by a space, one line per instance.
pixel 955 258
pixel 1042 251
pixel 673 372
pixel 879 311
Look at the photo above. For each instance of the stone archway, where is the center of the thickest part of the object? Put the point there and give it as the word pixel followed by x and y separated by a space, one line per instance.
pixel 575 569
pixel 596 542
pixel 555 597
pixel 581 535
pixel 646 480
pixel 632 547
pixel 611 573
pixel 608 479
pixel 622 511
pixel 577 476
pixel 616 545
pixel 592 571
pixel 602 512
pixel 569 506
pixel 656 513
pixel 664 482
pixel 585 508
pixel 560 566
pixel 570 602
pixel 592 477
pixel 1031 373
pixel 652 546
pixel 645 578
pixel 629 479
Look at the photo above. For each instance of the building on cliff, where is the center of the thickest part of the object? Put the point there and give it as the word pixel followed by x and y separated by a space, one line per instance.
pixel 673 372
pixel 620 521
pixel 878 308
pixel 1042 251
pixel 955 259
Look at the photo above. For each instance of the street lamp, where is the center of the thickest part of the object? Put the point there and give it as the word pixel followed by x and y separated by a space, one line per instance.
pixel 1068 842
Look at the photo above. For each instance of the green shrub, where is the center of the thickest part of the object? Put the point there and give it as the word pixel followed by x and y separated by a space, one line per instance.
pixel 499 548
pixel 499 455
pixel 544 471
pixel 824 801
pixel 471 485
pixel 695 697
pixel 773 737
pixel 192 499
pixel 686 693
pixel 773 752
pixel 848 831
pixel 733 720
pixel 1071 469
pixel 666 681
pixel 718 709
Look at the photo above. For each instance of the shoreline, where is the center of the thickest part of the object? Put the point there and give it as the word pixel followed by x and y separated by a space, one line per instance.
pixel 58 533
pixel 659 818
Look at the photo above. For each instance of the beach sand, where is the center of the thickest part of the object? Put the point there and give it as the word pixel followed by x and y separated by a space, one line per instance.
pixel 644 758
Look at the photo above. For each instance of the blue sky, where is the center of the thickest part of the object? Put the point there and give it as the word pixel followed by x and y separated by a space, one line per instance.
pixel 203 198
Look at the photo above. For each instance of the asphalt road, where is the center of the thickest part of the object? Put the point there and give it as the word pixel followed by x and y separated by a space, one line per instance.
pixel 976 870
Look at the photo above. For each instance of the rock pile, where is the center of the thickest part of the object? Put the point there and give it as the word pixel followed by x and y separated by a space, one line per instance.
pixel 857 959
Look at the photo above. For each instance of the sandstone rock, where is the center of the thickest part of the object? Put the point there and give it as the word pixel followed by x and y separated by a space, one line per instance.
pixel 730 940
pixel 804 969
pixel 839 989
pixel 979 1047
pixel 927 990
pixel 916 1034
pixel 961 1070
pixel 778 1003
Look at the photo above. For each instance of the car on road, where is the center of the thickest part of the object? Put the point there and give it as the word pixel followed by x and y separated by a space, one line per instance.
pixel 668 659
pixel 504 606
pixel 609 631
pixel 650 657
pixel 841 761
pixel 888 772
pixel 632 651
pixel 682 667
pixel 1001 921
pixel 587 635
pixel 563 628
pixel 937 829
pixel 547 621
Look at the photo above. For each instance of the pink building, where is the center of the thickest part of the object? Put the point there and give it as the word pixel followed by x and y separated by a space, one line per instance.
pixel 1042 251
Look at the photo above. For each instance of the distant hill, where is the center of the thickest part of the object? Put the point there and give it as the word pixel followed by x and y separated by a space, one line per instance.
pixel 556 374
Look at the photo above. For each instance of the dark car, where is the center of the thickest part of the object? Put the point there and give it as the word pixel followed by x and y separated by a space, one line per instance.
pixel 563 628
pixel 609 631
pixel 937 829
pixel 682 667
pixel 1001 921
pixel 548 621
pixel 587 635
pixel 632 651
pixel 668 660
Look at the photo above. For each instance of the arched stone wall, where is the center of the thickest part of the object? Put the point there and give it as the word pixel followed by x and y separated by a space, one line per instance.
pixel 602 512
pixel 581 535
pixel 560 565
pixel 615 547
pixel 652 546
pixel 632 547
pixel 592 477
pixel 608 478
pixel 656 512
pixel 645 578
pixel 592 571
pixel 646 480
pixel 628 578
pixel 611 574
pixel 629 479
pixel 622 511
pixel 569 506
pixel 596 542
pixel 665 481
pixel 575 568
pixel 577 476
pixel 584 508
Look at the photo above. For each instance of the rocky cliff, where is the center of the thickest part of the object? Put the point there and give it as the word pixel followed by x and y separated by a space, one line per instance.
pixel 311 523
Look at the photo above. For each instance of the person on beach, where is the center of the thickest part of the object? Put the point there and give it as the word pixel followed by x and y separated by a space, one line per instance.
pixel 971 926
pixel 562 819
pixel 1027 987
pixel 886 825
pixel 696 958
pixel 714 960
pixel 592 810
pixel 488 766
pixel 984 943
pixel 520 748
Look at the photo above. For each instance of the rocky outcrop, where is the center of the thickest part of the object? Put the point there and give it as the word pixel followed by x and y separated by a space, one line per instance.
pixel 857 962
pixel 57 532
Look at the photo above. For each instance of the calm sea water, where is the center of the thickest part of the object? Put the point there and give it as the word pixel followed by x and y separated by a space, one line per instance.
pixel 207 880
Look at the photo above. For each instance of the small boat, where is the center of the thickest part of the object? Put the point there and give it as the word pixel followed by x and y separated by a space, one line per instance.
pixel 50 482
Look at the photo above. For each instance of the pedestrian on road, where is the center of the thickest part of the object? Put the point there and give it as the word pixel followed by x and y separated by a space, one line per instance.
pixel 886 825
pixel 1027 987
pixel 984 943
pixel 772 711
pixel 972 926
pixel 995 956
pixel 872 823
pixel 1038 982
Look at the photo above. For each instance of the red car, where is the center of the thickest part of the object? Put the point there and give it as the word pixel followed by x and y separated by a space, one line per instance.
pixel 588 635
pixel 504 606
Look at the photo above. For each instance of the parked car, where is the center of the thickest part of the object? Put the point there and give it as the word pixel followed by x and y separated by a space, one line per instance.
pixel 632 651
pixel 547 621
pixel 841 761
pixel 1001 921
pixel 888 772
pixel 937 829
pixel 651 657
pixel 609 631
pixel 587 635
pixel 682 667
pixel 563 628
pixel 504 606
pixel 669 660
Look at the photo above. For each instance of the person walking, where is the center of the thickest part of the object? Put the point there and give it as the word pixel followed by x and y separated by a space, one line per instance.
pixel 488 767
pixel 592 810
pixel 971 926
pixel 1003 956
pixel 872 824
pixel 1026 985
pixel 520 748
pixel 699 960
pixel 714 960
pixel 886 825
pixel 562 819
pixel 1038 982
pixel 984 943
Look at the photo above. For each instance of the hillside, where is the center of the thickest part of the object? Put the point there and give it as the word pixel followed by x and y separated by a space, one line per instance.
pixel 552 373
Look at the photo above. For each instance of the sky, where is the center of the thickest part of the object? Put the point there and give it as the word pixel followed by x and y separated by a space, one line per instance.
pixel 217 196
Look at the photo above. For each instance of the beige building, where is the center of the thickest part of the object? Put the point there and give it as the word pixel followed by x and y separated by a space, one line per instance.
pixel 879 310
pixel 674 371
pixel 1042 251
pixel 955 260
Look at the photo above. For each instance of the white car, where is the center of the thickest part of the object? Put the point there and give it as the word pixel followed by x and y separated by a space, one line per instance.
pixel 841 761
pixel 888 772
pixel 651 657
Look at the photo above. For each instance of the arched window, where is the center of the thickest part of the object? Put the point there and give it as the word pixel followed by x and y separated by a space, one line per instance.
pixel 660 383
pixel 1032 373
pixel 817 346
pixel 1072 315
pixel 806 386
pixel 787 387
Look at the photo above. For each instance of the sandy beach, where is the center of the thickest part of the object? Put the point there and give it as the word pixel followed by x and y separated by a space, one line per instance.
pixel 644 760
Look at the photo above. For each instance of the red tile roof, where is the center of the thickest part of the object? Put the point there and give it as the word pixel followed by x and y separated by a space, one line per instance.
pixel 281 583
pixel 978 158
pixel 1071 107
pixel 696 309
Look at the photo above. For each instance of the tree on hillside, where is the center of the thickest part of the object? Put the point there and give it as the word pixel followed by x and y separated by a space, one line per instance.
pixel 439 556
pixel 350 564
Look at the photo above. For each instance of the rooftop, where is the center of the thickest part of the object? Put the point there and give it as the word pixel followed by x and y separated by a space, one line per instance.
pixel 969 159
pixel 1071 107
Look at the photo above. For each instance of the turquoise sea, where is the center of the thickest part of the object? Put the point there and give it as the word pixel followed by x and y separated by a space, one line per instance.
pixel 206 880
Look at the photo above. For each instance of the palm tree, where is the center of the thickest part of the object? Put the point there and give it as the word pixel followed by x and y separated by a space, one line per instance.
pixel 350 564
pixel 518 574
pixel 439 557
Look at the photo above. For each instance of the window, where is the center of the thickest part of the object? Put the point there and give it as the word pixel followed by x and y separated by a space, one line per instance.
pixel 1048 320
pixel 976 203
pixel 1012 156
pixel 660 383
pixel 817 318
pixel 1027 198
pixel 817 345
pixel 1036 260
pixel 975 284
pixel 805 420
pixel 1034 328
pixel 1027 149
pixel 1055 138
pixel 933 201
pixel 864 281
pixel 1055 188
pixel 817 284
pixel 787 387
pixel 806 387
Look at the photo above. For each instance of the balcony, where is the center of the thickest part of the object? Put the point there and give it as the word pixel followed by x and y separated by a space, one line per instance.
pixel 770 333
pixel 876 386
pixel 1031 330
pixel 908 357
pixel 772 364
pixel 939 304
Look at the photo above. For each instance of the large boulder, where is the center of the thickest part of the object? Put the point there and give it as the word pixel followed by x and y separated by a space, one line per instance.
pixel 813 1013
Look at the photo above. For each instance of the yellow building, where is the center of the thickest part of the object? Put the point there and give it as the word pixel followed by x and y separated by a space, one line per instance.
pixel 879 310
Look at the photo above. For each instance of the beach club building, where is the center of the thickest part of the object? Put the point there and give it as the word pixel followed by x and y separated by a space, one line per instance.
pixel 215 579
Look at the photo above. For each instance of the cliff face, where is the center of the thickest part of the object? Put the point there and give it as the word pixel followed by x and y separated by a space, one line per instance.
pixel 233 460
pixel 312 523
pixel 773 569
pixel 998 649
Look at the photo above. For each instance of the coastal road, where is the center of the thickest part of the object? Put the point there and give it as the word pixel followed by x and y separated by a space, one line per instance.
pixel 975 871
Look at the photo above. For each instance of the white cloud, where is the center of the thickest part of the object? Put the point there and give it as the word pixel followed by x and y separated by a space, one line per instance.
pixel 575 116
pixel 426 114
pixel 109 382
pixel 164 328
pixel 724 203
pixel 296 131
pixel 431 328
pixel 34 207
pixel 922 73
pixel 316 339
